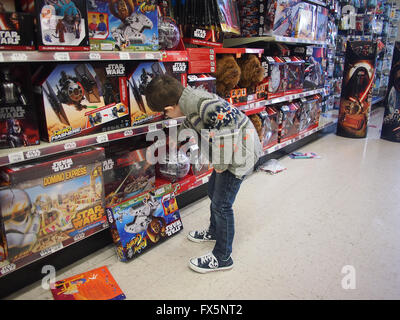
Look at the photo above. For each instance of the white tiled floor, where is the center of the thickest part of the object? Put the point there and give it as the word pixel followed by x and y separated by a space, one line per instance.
pixel 295 231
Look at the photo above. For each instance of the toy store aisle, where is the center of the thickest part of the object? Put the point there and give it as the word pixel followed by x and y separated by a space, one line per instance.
pixel 295 233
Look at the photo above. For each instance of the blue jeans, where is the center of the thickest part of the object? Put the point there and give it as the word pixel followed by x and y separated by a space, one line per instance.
pixel 222 190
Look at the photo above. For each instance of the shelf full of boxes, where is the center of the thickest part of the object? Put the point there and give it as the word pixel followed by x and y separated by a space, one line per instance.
pixel 197 67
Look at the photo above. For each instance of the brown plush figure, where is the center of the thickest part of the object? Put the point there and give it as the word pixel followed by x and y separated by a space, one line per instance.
pixel 258 125
pixel 227 74
pixel 252 72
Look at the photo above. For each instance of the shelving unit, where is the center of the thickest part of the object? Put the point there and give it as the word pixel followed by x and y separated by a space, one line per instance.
pixel 233 42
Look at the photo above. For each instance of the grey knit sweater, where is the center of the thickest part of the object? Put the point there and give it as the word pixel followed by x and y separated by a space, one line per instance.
pixel 232 139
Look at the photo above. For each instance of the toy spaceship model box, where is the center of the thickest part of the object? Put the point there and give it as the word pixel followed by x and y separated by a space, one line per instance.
pixel 80 99
pixel 16 28
pixel 50 204
pixel 281 17
pixel 275 72
pixel 126 174
pixel 295 74
pixel 62 25
pixel 203 81
pixel 123 25
pixel 289 121
pixel 270 127
pixel 176 64
pixel 143 222
pixel 18 124
pixel 309 113
pixel 391 120
pixel 137 83
pixel 355 98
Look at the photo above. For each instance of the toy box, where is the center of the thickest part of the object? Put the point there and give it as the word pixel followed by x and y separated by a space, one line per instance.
pixel 202 81
pixel 127 25
pixel 16 31
pixel 62 25
pixel 281 16
pixel 315 65
pixel 201 60
pixel 252 17
pixel 126 174
pixel 289 119
pixel 138 80
pixel 310 110
pixel 79 99
pixel 196 35
pixel 275 71
pixel 52 203
pixel 322 24
pixel 142 222
pixel 176 64
pixel 18 123
pixel 295 74
pixel 270 133
pixel 305 19
pixel 25 6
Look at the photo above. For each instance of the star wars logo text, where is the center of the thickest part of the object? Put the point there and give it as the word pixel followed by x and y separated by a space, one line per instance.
pixel 62 165
pixel 88 216
pixel 200 33
pixel 179 67
pixel 9 37
pixel 12 113
pixel 63 176
pixel 115 70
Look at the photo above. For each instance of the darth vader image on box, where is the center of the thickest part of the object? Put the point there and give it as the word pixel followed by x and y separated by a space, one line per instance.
pixel 355 101
pixel 391 120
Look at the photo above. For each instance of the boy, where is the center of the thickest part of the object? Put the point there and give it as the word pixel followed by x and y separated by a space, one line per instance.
pixel 204 110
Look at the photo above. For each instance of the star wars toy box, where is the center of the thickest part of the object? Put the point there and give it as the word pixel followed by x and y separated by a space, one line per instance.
pixel 305 21
pixel 123 25
pixel 18 122
pixel 322 24
pixel 270 131
pixel 275 73
pixel 3 243
pixel 310 110
pixel 50 204
pixel 126 173
pixel 176 64
pixel 281 16
pixel 138 81
pixel 62 25
pixel 203 81
pixel 252 17
pixel 289 121
pixel 144 221
pixel 16 30
pixel 81 98
pixel 315 66
pixel 295 74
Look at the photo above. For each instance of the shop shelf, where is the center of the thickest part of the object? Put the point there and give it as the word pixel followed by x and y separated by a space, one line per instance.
pixel 233 42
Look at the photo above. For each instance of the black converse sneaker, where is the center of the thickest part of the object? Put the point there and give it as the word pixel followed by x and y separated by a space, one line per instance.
pixel 200 236
pixel 209 263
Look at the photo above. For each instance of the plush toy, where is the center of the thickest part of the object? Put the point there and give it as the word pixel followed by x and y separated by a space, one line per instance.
pixel 258 125
pixel 252 72
pixel 227 74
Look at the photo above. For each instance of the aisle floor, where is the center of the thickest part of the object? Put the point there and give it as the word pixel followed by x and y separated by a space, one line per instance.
pixel 300 234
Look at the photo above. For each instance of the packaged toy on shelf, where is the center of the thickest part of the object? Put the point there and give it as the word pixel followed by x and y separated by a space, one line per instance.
pixel 227 74
pixel 252 17
pixel 305 19
pixel 280 16
pixel 270 133
pixel 79 99
pixel 289 121
pixel 295 74
pixel 202 81
pixel 126 174
pixel 322 23
pixel 16 29
pixel 127 25
pixel 275 71
pixel 315 64
pixel 252 72
pixel 143 222
pixel 310 110
pixel 18 122
pixel 62 25
pixel 49 204
pixel 3 243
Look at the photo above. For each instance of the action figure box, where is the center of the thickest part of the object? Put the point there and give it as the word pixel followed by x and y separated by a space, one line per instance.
pixel 52 203
pixel 143 222
pixel 322 24
pixel 275 71
pixel 310 110
pixel 199 36
pixel 252 17
pixel 356 95
pixel 81 98
pixel 305 20
pixel 16 31
pixel 281 16
pixel 315 65
pixel 62 25
pixel 176 64
pixel 295 74
pixel 289 121
pixel 123 25
pixel 270 132
pixel 127 173
pixel 203 81
pixel 391 120
pixel 18 122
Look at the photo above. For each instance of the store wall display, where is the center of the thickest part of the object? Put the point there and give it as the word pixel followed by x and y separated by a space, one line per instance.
pixel 391 120
pixel 355 99
pixel 51 203
pixel 62 25
pixel 18 121
pixel 79 99
pixel 126 25
pixel 143 222
pixel 126 174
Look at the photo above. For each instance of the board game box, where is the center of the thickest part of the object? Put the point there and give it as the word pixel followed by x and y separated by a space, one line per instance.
pixel 49 204
pixel 123 25
pixel 144 221
pixel 79 99
pixel 97 284
pixel 18 121
pixel 62 25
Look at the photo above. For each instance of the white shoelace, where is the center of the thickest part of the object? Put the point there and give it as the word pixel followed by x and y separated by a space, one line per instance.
pixel 210 259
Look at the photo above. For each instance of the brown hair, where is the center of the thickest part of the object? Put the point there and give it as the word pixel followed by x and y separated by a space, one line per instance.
pixel 163 91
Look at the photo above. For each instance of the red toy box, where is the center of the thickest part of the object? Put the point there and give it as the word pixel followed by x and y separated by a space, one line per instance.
pixel 289 121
